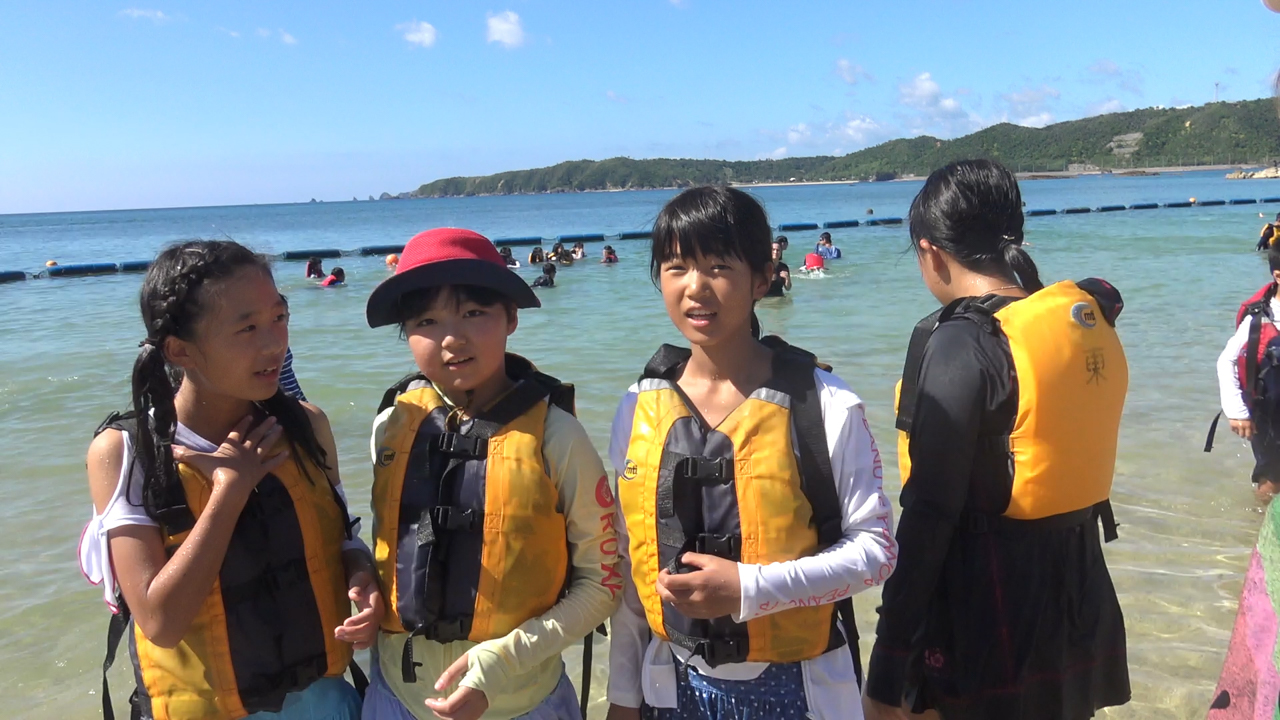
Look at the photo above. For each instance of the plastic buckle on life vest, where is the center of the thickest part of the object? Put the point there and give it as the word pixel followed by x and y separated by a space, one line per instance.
pixel 454 519
pixel 446 631
pixel 728 547
pixel 460 445
pixel 708 471
pixel 721 651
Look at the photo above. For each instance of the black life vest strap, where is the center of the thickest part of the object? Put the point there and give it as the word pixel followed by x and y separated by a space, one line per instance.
pixel 1257 315
pixel 359 680
pixel 586 666
pixel 666 360
pixel 172 512
pixel 1101 513
pixel 117 627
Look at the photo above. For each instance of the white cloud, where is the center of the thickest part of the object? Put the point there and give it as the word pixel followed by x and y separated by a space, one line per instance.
pixel 418 33
pixel 1110 105
pixel 288 39
pixel 505 28
pixel 264 33
pixel 777 154
pixel 851 132
pixel 851 73
pixel 932 112
pixel 232 33
pixel 615 97
pixel 140 14
pixel 1108 72
pixel 1030 106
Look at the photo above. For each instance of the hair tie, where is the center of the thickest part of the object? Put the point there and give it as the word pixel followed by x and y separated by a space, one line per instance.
pixel 149 342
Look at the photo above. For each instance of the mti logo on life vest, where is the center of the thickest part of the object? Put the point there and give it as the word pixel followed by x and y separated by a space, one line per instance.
pixel 386 456
pixel 1083 314
pixel 630 470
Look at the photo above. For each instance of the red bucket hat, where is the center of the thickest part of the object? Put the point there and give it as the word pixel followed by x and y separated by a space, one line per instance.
pixel 446 256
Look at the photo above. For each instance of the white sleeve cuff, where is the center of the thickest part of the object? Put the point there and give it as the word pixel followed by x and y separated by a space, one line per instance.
pixel 749 586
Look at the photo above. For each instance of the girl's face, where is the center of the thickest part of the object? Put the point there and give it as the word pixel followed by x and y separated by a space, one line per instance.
pixel 710 299
pixel 460 345
pixel 240 338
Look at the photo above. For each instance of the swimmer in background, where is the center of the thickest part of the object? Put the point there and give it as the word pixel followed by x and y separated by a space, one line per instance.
pixel 337 278
pixel 314 269
pixel 826 248
pixel 814 264
pixel 781 280
pixel 547 278
pixel 505 252
pixel 610 257
pixel 579 251
pixel 557 251
pixel 537 256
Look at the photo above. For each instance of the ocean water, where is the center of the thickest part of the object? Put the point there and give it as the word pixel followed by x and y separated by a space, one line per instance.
pixel 1188 518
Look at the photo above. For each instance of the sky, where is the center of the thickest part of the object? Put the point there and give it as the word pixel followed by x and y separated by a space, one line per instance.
pixel 167 103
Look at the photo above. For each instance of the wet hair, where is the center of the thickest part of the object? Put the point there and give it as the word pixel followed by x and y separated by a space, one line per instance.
pixel 557 248
pixel 178 290
pixel 973 210
pixel 608 248
pixel 504 252
pixel 783 241
pixel 548 268
pixel 712 221
pixel 339 274
pixel 1273 259
pixel 314 267
pixel 825 237
pixel 415 302
pixel 579 245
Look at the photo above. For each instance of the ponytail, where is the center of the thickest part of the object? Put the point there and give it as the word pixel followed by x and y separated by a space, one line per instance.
pixel 1023 266
pixel 157 419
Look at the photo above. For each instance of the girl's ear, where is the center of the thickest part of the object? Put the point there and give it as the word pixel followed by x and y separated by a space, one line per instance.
pixel 762 281
pixel 179 352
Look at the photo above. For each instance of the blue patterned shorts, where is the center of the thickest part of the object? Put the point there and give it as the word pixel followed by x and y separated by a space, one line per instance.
pixel 778 694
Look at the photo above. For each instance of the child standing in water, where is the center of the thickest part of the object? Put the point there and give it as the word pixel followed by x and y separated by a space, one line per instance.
pixel 548 277
pixel 493 516
pixel 219 516
pixel 749 486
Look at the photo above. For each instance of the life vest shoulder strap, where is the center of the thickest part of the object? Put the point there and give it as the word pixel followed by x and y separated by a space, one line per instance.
pixel 1107 297
pixel 400 388
pixel 171 511
pixel 666 360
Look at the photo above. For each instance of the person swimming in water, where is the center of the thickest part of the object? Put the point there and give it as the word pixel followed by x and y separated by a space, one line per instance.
pixel 610 256
pixel 548 277
pixel 537 256
pixel 315 269
pixel 511 262
pixel 336 278
pixel 579 251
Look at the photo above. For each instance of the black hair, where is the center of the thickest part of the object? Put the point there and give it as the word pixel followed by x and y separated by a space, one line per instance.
pixel 339 273
pixel 579 244
pixel 548 268
pixel 415 302
pixel 175 295
pixel 1273 258
pixel 608 248
pixel 712 221
pixel 973 210
pixel 504 251
pixel 557 248
pixel 825 236
pixel 314 266
pixel 783 241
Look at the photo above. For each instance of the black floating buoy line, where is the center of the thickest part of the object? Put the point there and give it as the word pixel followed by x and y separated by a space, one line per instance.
pixel 54 270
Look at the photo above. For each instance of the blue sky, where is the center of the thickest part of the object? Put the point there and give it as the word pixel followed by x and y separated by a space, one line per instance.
pixel 170 103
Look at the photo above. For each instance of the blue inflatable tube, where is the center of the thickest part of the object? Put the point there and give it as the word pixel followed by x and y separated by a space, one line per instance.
pixel 582 237
pixel 1270 200
pixel 1144 206
pixel 508 242
pixel 1243 201
pixel 1210 203
pixel 1180 204
pixel 883 221
pixel 12 275
pixel 1040 213
pixel 1112 208
pixel 82 269
pixel 635 234
pixel 135 266
pixel 326 254
pixel 1077 211
pixel 833 224
pixel 379 249
pixel 797 227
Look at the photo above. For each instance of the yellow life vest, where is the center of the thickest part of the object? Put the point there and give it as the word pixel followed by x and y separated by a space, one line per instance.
pixel 735 491
pixel 469 542
pixel 266 628
pixel 1072 378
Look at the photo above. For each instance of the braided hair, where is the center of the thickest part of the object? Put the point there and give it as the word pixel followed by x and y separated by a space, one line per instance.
pixel 173 299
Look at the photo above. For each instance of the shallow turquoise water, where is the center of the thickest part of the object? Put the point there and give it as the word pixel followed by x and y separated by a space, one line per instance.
pixel 66 347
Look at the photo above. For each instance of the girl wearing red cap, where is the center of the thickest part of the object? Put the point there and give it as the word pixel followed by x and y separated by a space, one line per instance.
pixel 493 517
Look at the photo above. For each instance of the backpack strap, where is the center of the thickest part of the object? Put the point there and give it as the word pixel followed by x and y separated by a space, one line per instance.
pixel 794 368
pixel 401 387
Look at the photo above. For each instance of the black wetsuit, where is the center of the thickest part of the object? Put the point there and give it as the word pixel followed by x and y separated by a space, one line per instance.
pixel 994 625
pixel 778 285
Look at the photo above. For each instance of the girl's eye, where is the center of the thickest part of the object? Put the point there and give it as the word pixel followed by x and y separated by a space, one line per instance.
pixel 721 267
pixel 248 328
pixel 282 317
pixel 424 322
pixel 674 268
pixel 474 312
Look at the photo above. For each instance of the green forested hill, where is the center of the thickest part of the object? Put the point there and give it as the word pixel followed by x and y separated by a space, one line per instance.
pixel 1218 133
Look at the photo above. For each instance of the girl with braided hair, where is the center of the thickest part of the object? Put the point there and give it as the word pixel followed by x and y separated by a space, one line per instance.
pixel 220 519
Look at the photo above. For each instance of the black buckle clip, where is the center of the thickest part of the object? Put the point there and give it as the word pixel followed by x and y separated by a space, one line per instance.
pixel 721 651
pixel 446 631
pixel 454 519
pixel 459 445
pixel 708 471
pixel 728 547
